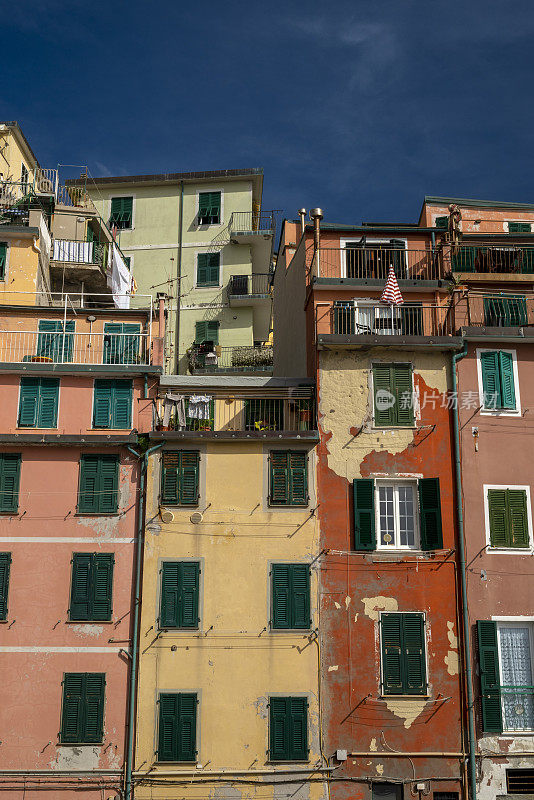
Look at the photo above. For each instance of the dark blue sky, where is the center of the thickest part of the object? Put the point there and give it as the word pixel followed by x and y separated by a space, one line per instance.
pixel 359 107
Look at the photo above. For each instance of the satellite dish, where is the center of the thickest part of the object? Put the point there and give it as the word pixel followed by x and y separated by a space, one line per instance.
pixel 166 515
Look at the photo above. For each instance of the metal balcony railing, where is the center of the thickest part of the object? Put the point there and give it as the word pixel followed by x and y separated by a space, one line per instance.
pixel 241 358
pixel 409 319
pixel 373 263
pixel 514 259
pixel 243 285
pixel 240 413
pixel 503 310
pixel 246 222
pixel 43 347
pixel 70 251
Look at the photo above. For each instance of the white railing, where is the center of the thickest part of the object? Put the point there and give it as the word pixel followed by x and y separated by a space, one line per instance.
pixel 72 251
pixel 45 181
pixel 43 347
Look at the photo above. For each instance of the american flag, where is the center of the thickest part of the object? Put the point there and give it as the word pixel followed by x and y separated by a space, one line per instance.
pixel 391 293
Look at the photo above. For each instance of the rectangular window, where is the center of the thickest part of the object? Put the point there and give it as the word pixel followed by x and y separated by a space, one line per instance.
pixel 209 208
pixel 508 518
pixel 498 384
pixel 505 312
pixel 288 478
pixel 122 343
pixel 207 331
pixel 177 727
pixel 180 477
pixel 82 714
pixel 290 592
pixel 208 266
pixel 397 516
pixel 99 484
pixel 520 781
pixel 403 653
pixel 54 343
pixel 38 402
pixel 519 227
pixel 288 729
pixel 442 222
pixel 121 212
pixel 9 482
pixel 3 260
pixel 179 594
pixel 112 404
pixel 393 395
pixel 5 566
pixel 91 586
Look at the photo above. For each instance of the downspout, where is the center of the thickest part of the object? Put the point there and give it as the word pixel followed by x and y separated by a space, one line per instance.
pixel 179 277
pixel 137 603
pixel 461 557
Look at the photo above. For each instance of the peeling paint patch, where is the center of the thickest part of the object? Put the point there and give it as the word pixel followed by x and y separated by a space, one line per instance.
pixel 408 710
pixel 87 630
pixel 82 757
pixel 347 601
pixel 451 660
pixel 261 706
pixel 103 526
pixel 374 605
pixel 373 746
pixel 380 769
pixel 453 639
pixel 337 604
pixel 333 669
pixel 356 617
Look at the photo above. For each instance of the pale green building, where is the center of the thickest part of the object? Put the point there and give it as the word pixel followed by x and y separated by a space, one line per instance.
pixel 201 238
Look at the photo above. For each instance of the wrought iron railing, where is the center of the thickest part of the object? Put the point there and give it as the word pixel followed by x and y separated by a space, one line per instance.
pixel 252 222
pixel 240 358
pixel 373 263
pixel 501 258
pixel 409 319
pixel 56 347
pixel 503 310
pixel 243 285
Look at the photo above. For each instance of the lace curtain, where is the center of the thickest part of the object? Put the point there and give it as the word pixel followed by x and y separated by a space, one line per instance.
pixel 516 670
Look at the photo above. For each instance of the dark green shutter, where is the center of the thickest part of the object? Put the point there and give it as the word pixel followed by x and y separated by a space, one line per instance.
pixel 207 331
pixel 291 596
pixel 403 391
pixel 121 212
pixel 508 518
pixel 80 589
pixel 53 342
pixel 382 382
pixel 506 366
pixel 122 404
pixel 519 227
pixel 298 478
pixel 441 222
pixel 288 477
pixel 91 586
pixel 489 363
pixel 498 518
pixel 9 481
pixel 121 343
pixel 48 403
pixel 5 565
pixel 490 689
pixel 209 208
pixel 279 477
pixel 179 594
pixel 102 586
pixel 505 312
pixel 102 403
pixel 517 517
pixel 3 260
pixel 177 727
pixel 180 477
pixel 208 266
pixel 82 718
pixel 364 514
pixel 288 729
pixel 38 404
pixel 403 653
pixel 112 406
pixel 28 402
pixel 430 513
pixel 99 479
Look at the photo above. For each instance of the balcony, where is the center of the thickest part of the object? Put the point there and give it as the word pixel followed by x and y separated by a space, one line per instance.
pixel 209 358
pixel 50 345
pixel 371 264
pixel 367 323
pixel 283 413
pixel 498 315
pixel 247 226
pixel 249 290
pixel 495 259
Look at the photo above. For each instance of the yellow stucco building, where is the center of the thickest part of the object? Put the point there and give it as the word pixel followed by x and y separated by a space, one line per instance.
pixel 228 695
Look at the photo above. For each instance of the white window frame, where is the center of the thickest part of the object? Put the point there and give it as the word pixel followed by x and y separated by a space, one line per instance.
pixel 515 622
pixel 343 244
pixel 123 194
pixel 200 287
pixel 202 226
pixel 417 528
pixel 503 412
pixel 508 550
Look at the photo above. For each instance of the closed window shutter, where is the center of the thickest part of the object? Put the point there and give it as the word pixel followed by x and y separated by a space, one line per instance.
pixel 121 212
pixel 364 514
pixel 441 222
pixel 108 484
pixel 168 727
pixel 519 227
pixel 94 707
pixel 99 478
pixel 102 588
pixel 517 517
pixel 188 617
pixel 490 679
pixel 73 707
pixel 279 477
pixel 491 385
pixel 213 331
pixel 278 729
pixel 9 481
pixel 122 404
pixel 80 590
pixel 202 269
pixel 281 589
pixel 201 332
pixel 188 479
pixel 179 594
pixel 53 343
pixel 464 259
pixel 298 731
pixel 392 658
pixel 414 653
pixel 48 402
pixel 403 407
pixel 430 512
pixel 3 260
pixel 177 727
pixel 38 404
pixel 300 596
pixel 170 590
pixel 208 269
pixel 288 728
pixel 124 346
pixel 28 402
pixel 169 478
pixel 382 383
pixel 506 364
pixel 102 403
pixel 498 518
pixel 5 566
pixel 403 653
pixel 187 727
pixel 209 207
pixel 298 478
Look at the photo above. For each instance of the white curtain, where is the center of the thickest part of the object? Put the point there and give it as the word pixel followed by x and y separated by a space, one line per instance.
pixel 516 670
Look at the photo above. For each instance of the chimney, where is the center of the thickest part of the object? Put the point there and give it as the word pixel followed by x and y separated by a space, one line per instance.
pixel 302 215
pixel 316 215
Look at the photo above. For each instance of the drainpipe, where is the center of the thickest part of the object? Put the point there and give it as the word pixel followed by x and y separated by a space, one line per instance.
pixel 143 457
pixel 179 277
pixel 461 556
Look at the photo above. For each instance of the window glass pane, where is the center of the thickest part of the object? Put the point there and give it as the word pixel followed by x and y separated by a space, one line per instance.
pixel 387 515
pixel 406 517
pixel 516 671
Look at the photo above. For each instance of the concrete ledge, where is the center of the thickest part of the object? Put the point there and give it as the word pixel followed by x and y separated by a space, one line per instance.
pixel 39 368
pixel 351 341
pixel 239 436
pixel 65 439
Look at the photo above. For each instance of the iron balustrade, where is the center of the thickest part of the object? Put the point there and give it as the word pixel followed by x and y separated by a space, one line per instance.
pixel 503 310
pixel 409 319
pixel 253 222
pixel 244 285
pixel 240 358
pixel 56 347
pixel 373 263
pixel 501 258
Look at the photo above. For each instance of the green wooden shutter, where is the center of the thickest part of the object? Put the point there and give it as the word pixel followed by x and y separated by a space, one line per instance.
pixel 506 367
pixel 168 727
pixel 430 513
pixel 53 342
pixel 3 260
pixel 278 729
pixel 5 566
pixel 201 332
pixel 519 227
pixel 80 589
pixel 281 593
pixel 170 464
pixel 170 590
pixel 382 383
pixel 300 596
pixel 102 403
pixel 108 484
pixel 189 477
pixel 498 518
pixel 441 222
pixel 187 727
pixel 517 518
pixel 403 390
pixel 363 490
pixel 392 657
pixel 288 729
pixel 72 708
pixel 189 594
pixel 28 402
pixel 490 679
pixel 279 477
pixel 121 343
pixel 99 478
pixel 414 653
pixel 209 208
pixel 208 265
pixel 179 594
pixel 121 212
pixel 9 481
pixel 48 402
pixel 298 728
pixel 102 586
pixel 94 707
pixel 121 416
pixel 491 385
pixel 177 727
pixel 298 478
